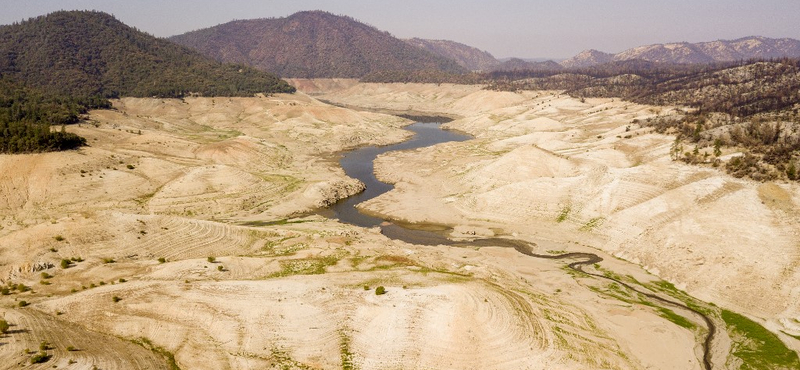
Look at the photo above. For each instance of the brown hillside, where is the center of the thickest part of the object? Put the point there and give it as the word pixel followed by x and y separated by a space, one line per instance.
pixel 312 44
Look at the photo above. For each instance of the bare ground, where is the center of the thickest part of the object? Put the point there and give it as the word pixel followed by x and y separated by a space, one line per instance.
pixel 180 180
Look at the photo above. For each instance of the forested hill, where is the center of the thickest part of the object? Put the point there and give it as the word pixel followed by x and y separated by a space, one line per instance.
pixel 313 44
pixel 88 53
pixel 55 67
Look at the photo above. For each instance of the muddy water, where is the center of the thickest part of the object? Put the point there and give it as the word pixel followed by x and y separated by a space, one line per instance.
pixel 359 164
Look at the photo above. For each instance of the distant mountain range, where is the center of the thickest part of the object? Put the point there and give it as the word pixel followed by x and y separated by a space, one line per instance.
pixel 754 47
pixel 313 44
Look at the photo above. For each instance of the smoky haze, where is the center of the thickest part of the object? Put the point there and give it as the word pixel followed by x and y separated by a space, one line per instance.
pixel 528 29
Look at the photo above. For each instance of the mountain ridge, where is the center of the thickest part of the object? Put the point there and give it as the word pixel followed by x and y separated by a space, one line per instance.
pixel 90 53
pixel 466 56
pixel 312 44
pixel 744 48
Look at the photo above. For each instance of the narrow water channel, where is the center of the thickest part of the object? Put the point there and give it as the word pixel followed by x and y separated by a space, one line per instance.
pixel 359 164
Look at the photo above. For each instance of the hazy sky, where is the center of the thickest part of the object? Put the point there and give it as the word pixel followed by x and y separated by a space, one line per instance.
pixel 532 28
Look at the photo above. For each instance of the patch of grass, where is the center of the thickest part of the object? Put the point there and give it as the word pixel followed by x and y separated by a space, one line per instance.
pixel 757 347
pixel 675 318
pixel 562 216
pixel 305 266
pixel 345 351
pixel 593 223
pixel 168 356
pixel 282 360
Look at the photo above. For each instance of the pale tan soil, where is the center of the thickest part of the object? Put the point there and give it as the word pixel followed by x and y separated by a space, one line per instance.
pixel 537 155
pixel 292 295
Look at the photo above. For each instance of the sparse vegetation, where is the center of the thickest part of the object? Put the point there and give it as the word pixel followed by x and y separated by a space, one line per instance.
pixel 757 347
pixel 676 319
pixel 563 214
pixel 346 354
pixel 168 356
pixel 40 358
pixel 4 326
pixel 306 266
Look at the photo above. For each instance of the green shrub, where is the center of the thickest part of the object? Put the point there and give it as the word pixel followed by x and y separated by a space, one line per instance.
pixel 130 166
pixel 71 349
pixel 211 259
pixel 45 275
pixel 366 287
pixel 220 268
pixel 59 238
pixel 23 303
pixel 162 260
pixel 122 280
pixel 3 326
pixel 65 264
pixel 39 358
pixel 108 260
pixel 380 290
pixel 116 299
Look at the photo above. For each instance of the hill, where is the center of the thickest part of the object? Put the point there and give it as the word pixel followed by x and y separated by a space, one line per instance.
pixel 87 53
pixel 753 47
pixel 754 106
pixel 466 56
pixel 517 64
pixel 313 44
pixel 588 58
